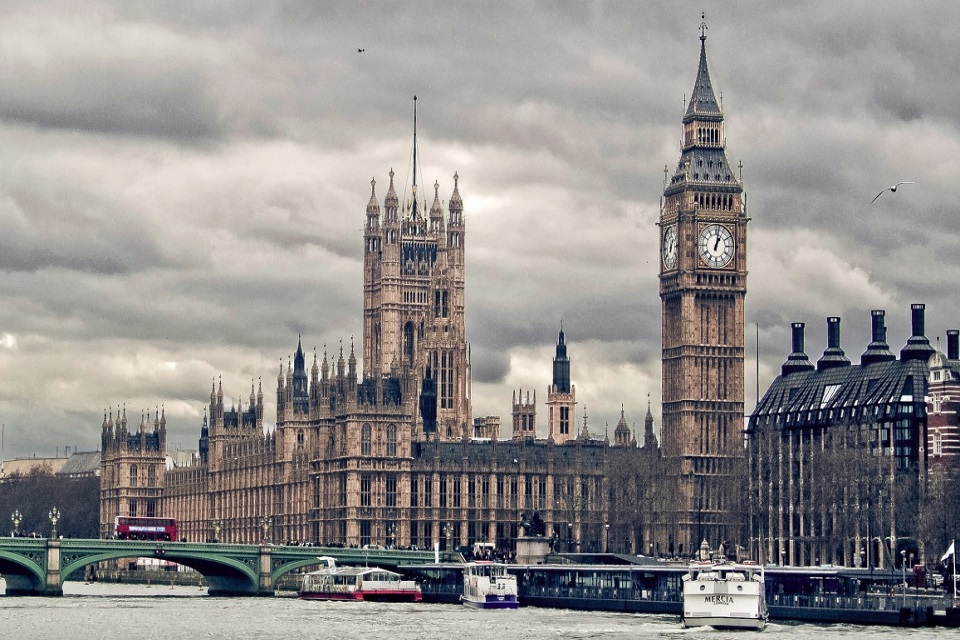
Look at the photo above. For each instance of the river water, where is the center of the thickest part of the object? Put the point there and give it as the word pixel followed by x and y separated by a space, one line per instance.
pixel 137 612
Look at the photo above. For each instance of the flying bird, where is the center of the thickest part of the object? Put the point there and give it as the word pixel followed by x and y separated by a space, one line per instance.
pixel 360 50
pixel 892 189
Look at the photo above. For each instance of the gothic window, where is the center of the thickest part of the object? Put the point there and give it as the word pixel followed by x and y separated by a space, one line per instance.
pixel 564 420
pixel 133 476
pixel 408 343
pixel 133 507
pixel 414 491
pixel 443 490
pixel 300 439
pixel 365 484
pixel 151 479
pixel 937 443
pixel 391 439
pixel 444 306
pixel 151 509
pixel 365 440
pixel 391 491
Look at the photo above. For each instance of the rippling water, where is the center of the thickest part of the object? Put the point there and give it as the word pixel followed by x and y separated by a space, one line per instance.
pixel 135 612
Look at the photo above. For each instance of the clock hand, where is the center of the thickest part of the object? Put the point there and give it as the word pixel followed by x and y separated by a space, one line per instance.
pixel 716 245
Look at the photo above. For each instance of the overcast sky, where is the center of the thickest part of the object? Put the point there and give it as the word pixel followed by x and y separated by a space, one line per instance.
pixel 183 187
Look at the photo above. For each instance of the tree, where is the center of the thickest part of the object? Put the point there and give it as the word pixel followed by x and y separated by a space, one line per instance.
pixel 35 494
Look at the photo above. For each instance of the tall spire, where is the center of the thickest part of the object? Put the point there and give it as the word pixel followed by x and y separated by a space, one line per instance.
pixel 414 210
pixel 703 101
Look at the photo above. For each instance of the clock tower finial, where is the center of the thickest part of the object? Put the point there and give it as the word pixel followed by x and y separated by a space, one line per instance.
pixel 703 26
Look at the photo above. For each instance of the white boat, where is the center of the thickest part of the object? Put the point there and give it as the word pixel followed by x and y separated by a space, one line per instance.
pixel 724 595
pixel 357 583
pixel 488 585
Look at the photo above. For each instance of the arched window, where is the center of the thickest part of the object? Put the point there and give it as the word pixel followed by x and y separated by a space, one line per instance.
pixel 365 440
pixel 391 439
pixel 937 443
pixel 134 472
pixel 151 476
pixel 300 439
pixel 408 342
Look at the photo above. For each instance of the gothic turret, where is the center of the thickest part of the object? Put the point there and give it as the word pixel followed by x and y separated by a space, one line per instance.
pixel 621 434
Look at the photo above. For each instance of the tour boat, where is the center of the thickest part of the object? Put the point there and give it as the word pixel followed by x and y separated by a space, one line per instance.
pixel 488 585
pixel 357 583
pixel 724 595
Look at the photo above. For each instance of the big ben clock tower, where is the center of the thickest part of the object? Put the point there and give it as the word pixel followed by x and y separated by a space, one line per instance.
pixel 703 281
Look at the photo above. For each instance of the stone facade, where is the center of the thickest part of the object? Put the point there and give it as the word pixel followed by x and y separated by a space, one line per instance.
pixel 703 282
pixel 392 457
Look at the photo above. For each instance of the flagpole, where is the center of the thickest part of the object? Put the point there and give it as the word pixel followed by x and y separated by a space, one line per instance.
pixel 954 572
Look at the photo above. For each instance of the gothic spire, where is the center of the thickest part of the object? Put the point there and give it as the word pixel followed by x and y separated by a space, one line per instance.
pixel 373 207
pixel 703 101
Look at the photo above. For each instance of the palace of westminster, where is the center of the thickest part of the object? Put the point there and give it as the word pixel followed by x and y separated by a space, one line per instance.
pixel 393 456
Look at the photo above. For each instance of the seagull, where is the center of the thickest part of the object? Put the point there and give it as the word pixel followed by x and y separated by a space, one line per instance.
pixel 360 50
pixel 892 189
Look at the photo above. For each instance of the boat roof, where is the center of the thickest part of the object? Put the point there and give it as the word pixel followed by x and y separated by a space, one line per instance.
pixel 352 571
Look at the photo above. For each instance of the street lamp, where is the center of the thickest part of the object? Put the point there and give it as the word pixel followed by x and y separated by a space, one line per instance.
pixel 393 534
pixel 903 569
pixel 54 516
pixel 266 522
pixel 217 525
pixel 448 530
pixel 606 535
pixel 16 517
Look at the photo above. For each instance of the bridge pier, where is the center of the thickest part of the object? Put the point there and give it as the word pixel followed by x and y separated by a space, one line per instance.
pixel 52 585
pixel 265 583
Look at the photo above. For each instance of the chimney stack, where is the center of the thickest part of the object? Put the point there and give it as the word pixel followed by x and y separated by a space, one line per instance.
pixel 797 361
pixel 833 356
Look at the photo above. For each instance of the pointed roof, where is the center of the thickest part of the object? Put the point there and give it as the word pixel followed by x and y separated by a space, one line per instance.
pixel 436 209
pixel 374 205
pixel 391 199
pixel 703 101
pixel 456 202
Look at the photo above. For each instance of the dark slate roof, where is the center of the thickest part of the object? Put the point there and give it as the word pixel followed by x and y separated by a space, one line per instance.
pixel 84 463
pixel 703 101
pixel 854 394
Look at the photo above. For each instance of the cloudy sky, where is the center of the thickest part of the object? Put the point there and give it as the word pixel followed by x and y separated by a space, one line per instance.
pixel 183 187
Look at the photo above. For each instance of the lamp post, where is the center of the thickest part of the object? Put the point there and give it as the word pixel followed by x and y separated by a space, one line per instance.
pixel 569 536
pixel 448 530
pixel 266 522
pixel 217 525
pixel 606 538
pixel 393 534
pixel 54 516
pixel 903 570
pixel 16 518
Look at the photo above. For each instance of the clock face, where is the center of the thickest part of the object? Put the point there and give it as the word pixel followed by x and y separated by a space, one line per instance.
pixel 669 250
pixel 715 246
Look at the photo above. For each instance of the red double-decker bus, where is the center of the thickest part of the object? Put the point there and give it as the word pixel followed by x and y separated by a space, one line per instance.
pixel 141 528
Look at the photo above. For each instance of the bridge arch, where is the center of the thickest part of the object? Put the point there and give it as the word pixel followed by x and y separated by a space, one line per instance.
pixel 24 570
pixel 228 569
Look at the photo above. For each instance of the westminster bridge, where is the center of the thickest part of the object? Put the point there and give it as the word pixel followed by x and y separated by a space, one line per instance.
pixel 39 566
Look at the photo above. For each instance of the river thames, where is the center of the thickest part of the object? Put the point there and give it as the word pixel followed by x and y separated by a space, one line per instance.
pixel 136 612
